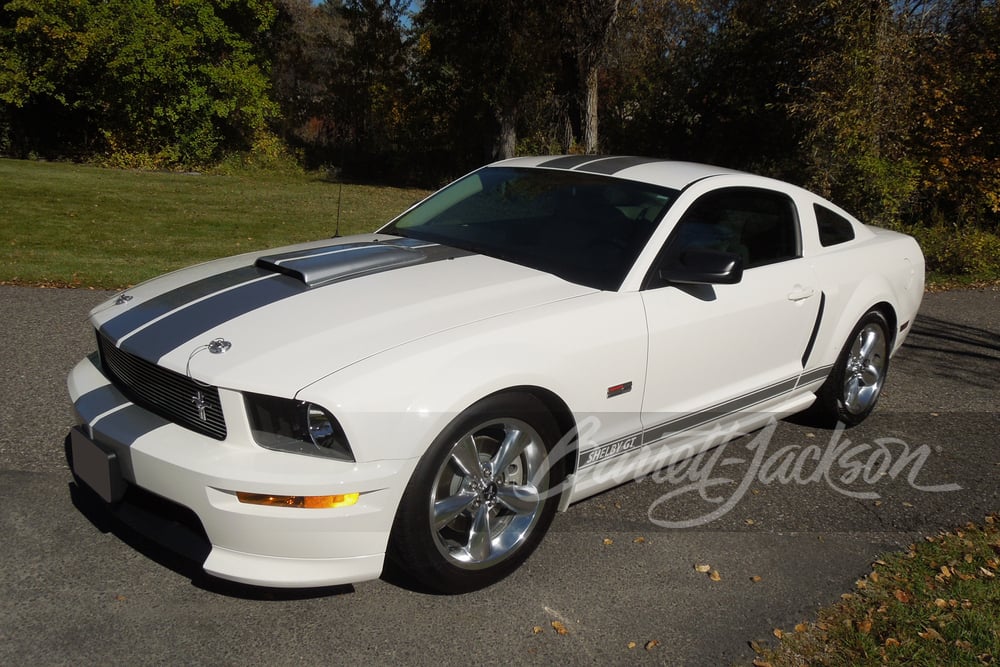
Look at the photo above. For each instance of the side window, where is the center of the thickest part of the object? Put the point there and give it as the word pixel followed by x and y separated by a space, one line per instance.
pixel 833 228
pixel 759 225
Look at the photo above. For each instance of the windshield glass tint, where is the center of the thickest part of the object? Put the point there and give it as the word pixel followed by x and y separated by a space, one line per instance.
pixel 585 228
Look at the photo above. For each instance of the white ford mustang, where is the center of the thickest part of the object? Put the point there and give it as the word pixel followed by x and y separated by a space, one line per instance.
pixel 427 396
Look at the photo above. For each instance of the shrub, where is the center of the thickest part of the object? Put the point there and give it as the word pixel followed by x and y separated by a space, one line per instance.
pixel 959 251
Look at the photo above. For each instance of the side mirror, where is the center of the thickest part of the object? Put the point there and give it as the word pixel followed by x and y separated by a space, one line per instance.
pixel 700 266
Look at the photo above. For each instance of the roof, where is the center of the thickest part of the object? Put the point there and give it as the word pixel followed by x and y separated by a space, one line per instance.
pixel 666 173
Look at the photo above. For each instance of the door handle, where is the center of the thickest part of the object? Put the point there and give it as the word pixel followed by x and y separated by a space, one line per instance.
pixel 800 293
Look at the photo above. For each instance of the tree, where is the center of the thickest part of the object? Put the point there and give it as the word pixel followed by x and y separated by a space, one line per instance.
pixel 308 46
pixel 166 83
pixel 496 55
pixel 589 25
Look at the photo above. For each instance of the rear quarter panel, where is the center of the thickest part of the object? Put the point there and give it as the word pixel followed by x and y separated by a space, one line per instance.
pixel 878 267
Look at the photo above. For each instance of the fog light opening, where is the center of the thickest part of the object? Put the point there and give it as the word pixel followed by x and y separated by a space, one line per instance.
pixel 307 502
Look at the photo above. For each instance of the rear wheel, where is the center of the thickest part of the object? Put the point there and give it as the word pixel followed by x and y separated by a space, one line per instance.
pixel 481 497
pixel 853 387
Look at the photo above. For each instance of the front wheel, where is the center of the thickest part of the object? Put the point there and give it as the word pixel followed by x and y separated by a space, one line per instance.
pixel 481 498
pixel 853 387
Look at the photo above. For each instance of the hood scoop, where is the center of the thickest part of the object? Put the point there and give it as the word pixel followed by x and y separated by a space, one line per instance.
pixel 321 266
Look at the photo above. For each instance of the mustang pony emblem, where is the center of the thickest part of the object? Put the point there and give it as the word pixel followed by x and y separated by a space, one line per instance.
pixel 201 405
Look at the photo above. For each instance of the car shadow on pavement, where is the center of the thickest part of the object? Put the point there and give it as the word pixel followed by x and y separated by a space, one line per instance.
pixel 953 350
pixel 171 536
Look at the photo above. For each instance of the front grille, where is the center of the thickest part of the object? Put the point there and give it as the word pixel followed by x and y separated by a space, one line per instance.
pixel 171 395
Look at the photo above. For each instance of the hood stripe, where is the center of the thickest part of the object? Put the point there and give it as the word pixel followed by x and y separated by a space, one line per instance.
pixel 153 328
pixel 156 340
pixel 146 312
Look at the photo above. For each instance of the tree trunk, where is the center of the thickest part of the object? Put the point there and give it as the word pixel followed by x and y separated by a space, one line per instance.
pixel 507 143
pixel 590 145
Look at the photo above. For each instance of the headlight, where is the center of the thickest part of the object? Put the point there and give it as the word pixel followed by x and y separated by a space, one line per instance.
pixel 288 425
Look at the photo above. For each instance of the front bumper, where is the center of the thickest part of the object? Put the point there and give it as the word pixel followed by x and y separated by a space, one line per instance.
pixel 254 544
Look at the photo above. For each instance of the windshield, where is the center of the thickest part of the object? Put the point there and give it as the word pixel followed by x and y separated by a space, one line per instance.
pixel 585 228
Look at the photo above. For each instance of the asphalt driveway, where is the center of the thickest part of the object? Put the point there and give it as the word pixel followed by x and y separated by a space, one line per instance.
pixel 805 510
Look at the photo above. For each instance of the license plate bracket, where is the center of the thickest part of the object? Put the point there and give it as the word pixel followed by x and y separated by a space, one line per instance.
pixel 97 467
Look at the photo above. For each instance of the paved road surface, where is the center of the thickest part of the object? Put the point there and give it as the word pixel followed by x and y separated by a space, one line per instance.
pixel 77 587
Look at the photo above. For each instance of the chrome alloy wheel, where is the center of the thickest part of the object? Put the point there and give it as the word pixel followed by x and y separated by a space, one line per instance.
pixel 864 373
pixel 485 500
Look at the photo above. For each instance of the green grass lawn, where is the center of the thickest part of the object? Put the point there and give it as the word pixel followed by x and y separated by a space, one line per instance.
pixel 73 225
pixel 938 603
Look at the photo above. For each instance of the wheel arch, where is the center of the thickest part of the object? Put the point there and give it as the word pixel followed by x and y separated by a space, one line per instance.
pixel 889 313
pixel 565 420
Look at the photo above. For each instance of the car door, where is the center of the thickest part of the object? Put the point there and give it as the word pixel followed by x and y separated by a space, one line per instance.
pixel 718 350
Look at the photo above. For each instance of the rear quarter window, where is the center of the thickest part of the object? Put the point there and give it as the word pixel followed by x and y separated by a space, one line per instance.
pixel 833 227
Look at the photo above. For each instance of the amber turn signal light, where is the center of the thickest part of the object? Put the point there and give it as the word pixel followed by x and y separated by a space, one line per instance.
pixel 308 502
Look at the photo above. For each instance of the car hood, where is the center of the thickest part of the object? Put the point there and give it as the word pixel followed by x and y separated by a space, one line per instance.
pixel 288 317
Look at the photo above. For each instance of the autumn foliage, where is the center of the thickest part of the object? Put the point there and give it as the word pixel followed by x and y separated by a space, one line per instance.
pixel 889 107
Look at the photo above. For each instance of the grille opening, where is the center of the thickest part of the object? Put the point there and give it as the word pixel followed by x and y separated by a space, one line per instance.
pixel 173 396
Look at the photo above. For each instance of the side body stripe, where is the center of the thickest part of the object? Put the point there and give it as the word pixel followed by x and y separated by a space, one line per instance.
pixel 670 427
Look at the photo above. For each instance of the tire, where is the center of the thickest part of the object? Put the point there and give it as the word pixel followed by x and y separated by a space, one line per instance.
pixel 462 524
pixel 851 391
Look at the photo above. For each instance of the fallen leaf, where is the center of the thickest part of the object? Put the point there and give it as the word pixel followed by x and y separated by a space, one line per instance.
pixel 987 573
pixel 801 627
pixel 907 504
pixel 945 571
pixel 777 632
pixel 652 643
pixel 639 540
pixel 940 603
pixel 891 641
pixel 749 522
pixel 715 576
pixel 931 635
pixel 120 598
pixel 846 596
pixel 702 568
pixel 878 503
pixel 902 596
pixel 631 645
pixel 874 577
pixel 755 578
pixel 559 628
pixel 761 663
pixel 537 630
pixel 608 541
pixel 865 626
pixel 964 645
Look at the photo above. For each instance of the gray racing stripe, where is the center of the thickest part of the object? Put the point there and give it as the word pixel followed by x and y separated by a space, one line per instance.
pixel 718 411
pixel 568 161
pixel 613 165
pixel 181 326
pixel 815 374
pixel 142 314
pixel 694 419
pixel 182 317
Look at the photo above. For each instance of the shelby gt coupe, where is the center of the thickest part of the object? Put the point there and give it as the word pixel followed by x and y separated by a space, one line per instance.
pixel 428 396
